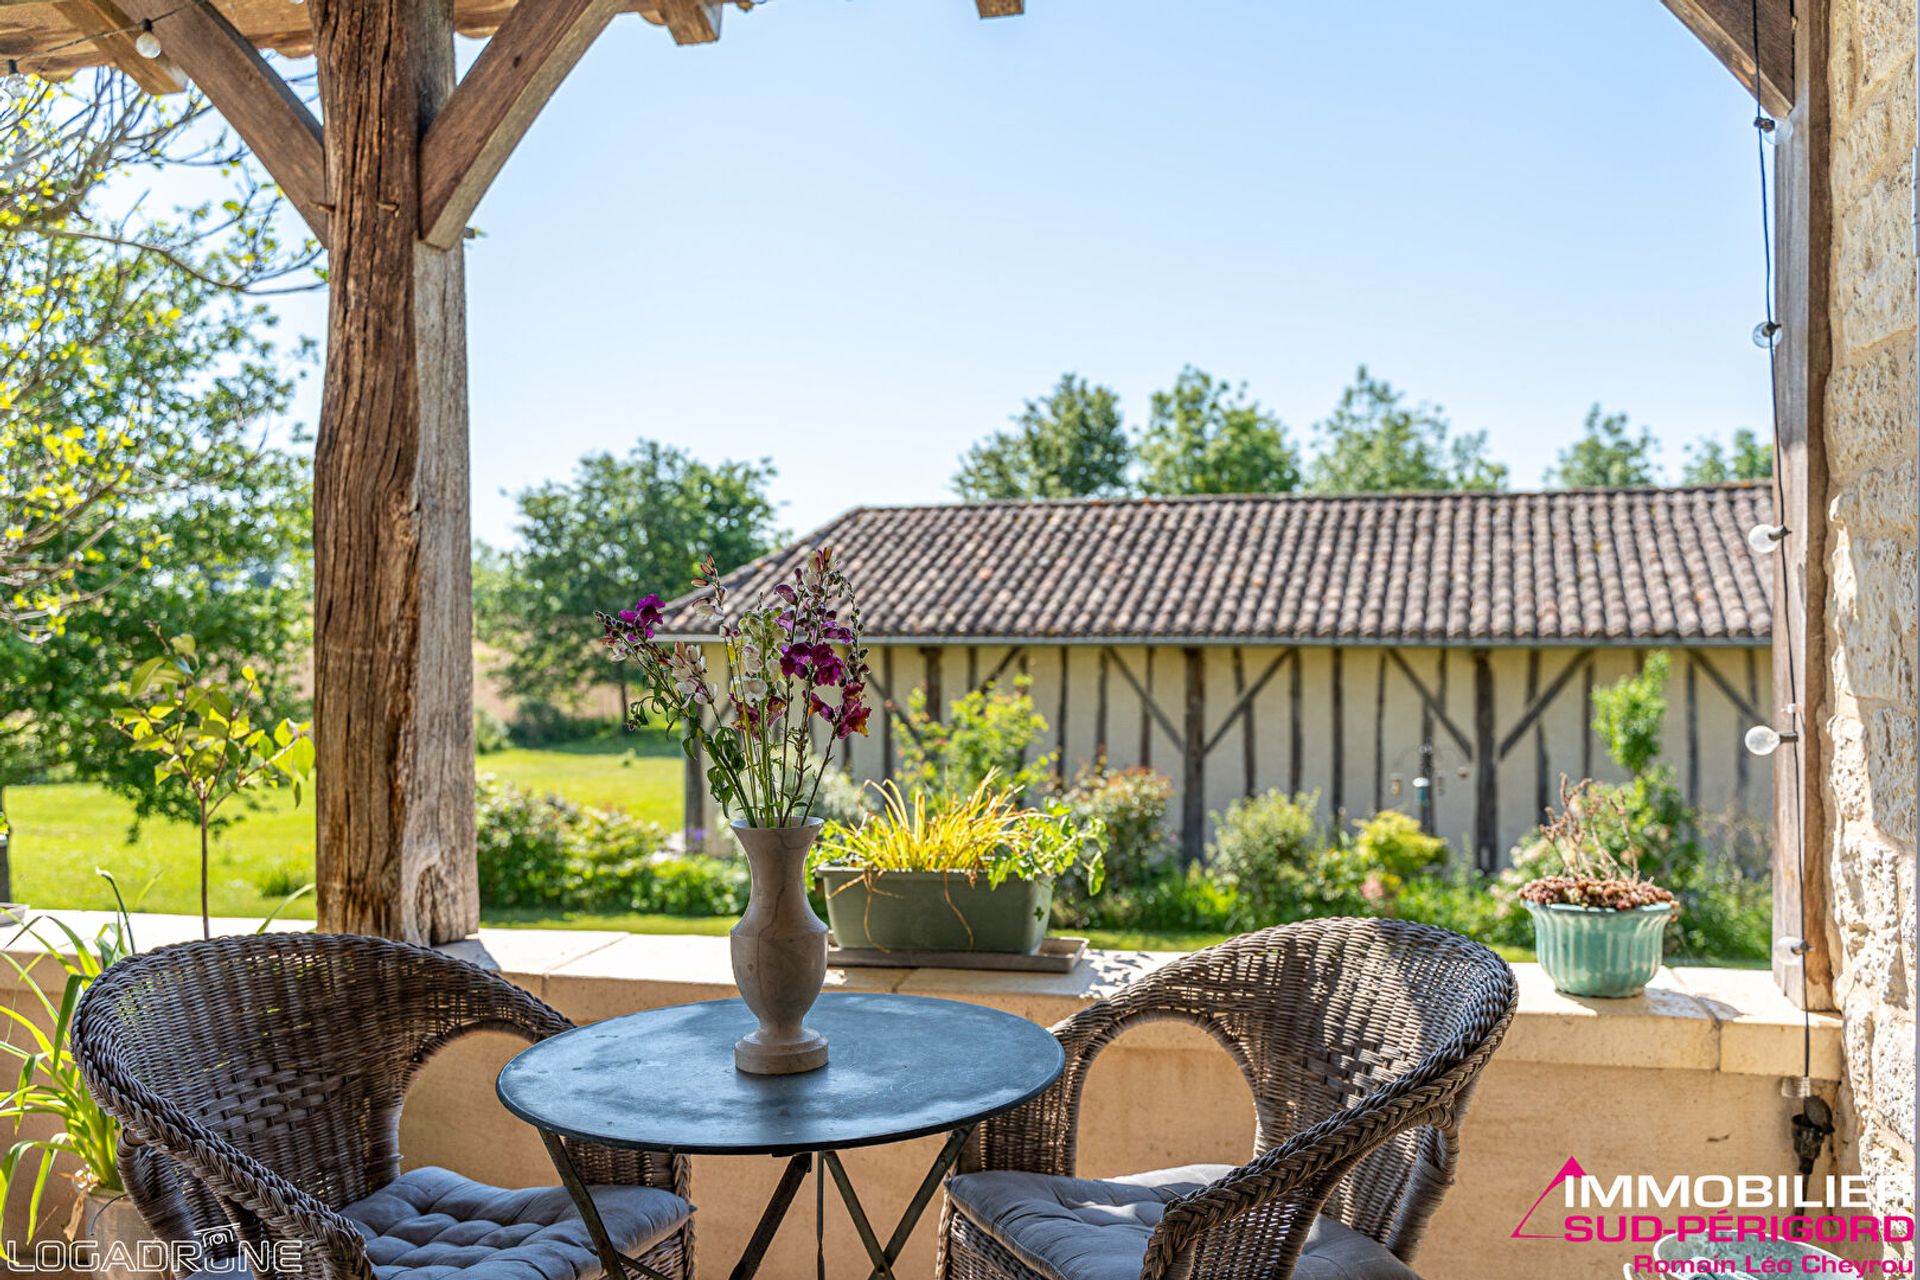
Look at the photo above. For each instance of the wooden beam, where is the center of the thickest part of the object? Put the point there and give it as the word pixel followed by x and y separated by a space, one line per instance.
pixel 1244 712
pixel 1000 8
pixel 1748 711
pixel 1060 714
pixel 1538 704
pixel 1436 706
pixel 495 104
pixel 1337 746
pixel 692 21
pixel 1150 710
pixel 1100 711
pixel 1193 754
pixel 1296 732
pixel 1243 698
pixel 1726 28
pixel 1486 760
pixel 1803 194
pixel 250 95
pixel 107 24
pixel 930 678
pixel 393 547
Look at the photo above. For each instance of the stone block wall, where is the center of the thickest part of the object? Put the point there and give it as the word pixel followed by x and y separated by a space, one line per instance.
pixel 1870 549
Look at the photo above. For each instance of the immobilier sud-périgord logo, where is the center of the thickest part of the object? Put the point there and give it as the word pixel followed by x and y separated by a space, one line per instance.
pixel 1720 1224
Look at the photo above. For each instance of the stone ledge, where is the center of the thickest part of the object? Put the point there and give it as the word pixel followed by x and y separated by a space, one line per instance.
pixel 1730 1021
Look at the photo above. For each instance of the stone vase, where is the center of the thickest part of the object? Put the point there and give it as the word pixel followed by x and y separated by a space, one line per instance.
pixel 779 953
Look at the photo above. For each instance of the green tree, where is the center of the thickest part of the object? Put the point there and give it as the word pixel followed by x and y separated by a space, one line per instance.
pixel 1375 442
pixel 1744 457
pixel 1070 445
pixel 620 528
pixel 1630 715
pixel 1208 437
pixel 1608 455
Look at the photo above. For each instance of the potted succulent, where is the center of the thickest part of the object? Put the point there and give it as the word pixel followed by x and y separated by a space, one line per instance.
pixel 939 873
pixel 794 666
pixel 1599 926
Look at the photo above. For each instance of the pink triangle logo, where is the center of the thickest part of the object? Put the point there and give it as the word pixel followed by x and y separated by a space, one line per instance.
pixel 1571 1169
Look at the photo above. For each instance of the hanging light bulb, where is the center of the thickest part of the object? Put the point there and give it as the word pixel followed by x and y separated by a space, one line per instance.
pixel 1790 948
pixel 1764 739
pixel 1769 129
pixel 1763 538
pixel 1766 334
pixel 147 44
pixel 13 83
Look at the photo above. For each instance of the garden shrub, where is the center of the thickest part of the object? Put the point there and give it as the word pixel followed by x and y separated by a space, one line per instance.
pixel 490 732
pixel 1263 848
pixel 543 852
pixel 989 730
pixel 1132 805
pixel 537 723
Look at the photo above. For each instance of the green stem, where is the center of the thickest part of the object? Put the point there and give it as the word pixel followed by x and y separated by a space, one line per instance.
pixel 206 917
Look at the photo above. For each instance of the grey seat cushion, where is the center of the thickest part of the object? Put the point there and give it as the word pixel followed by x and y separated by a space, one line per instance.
pixel 1082 1229
pixel 432 1224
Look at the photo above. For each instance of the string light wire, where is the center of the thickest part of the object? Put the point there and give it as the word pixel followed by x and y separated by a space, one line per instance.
pixel 144 25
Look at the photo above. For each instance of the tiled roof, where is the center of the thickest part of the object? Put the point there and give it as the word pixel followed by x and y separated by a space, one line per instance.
pixel 1623 566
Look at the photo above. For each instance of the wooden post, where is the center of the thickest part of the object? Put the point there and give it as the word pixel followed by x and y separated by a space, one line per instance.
pixel 930 667
pixel 1804 205
pixel 1146 712
pixel 1337 773
pixel 1539 739
pixel 1486 760
pixel 393 617
pixel 886 720
pixel 1100 711
pixel 1060 715
pixel 1248 760
pixel 1380 735
pixel 1586 719
pixel 1693 732
pixel 694 800
pixel 1295 736
pixel 1193 784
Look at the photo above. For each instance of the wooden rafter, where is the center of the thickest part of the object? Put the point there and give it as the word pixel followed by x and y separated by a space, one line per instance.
pixel 496 103
pixel 155 75
pixel 1000 8
pixel 269 117
pixel 691 21
pixel 1726 27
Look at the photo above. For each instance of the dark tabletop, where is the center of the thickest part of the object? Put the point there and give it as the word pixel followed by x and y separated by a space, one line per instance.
pixel 664 1080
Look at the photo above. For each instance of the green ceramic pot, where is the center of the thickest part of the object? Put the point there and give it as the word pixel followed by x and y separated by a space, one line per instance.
pixel 934 911
pixel 1593 951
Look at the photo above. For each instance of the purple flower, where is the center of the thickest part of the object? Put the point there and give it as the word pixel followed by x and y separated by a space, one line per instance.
pixel 646 615
pixel 786 593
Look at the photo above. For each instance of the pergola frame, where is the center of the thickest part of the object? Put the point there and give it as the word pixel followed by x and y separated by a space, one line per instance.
pixel 388 185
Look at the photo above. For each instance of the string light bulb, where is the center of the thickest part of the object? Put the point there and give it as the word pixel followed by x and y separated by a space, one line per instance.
pixel 1764 739
pixel 1769 129
pixel 13 82
pixel 1766 334
pixel 1790 948
pixel 1763 538
pixel 147 44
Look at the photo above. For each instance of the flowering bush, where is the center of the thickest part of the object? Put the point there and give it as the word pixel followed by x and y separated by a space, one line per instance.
pixel 784 671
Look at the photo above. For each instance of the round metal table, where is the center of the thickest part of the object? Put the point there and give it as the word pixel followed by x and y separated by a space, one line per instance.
pixel 663 1080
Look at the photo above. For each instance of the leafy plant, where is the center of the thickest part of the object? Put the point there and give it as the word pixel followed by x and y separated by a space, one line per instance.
pixel 986 832
pixel 49 1081
pixel 490 733
pixel 1263 847
pixel 1630 714
pixel 764 767
pixel 986 733
pixel 201 729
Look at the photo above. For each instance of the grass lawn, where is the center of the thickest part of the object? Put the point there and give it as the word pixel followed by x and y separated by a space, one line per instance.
pixel 62 831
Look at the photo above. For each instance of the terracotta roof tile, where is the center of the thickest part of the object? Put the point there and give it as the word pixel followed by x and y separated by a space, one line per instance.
pixel 1575 566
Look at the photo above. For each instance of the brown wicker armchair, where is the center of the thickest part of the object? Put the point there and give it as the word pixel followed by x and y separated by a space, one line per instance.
pixel 1361 1041
pixel 258 1082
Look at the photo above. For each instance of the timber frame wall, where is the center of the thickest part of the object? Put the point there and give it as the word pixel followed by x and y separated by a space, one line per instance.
pixel 1349 722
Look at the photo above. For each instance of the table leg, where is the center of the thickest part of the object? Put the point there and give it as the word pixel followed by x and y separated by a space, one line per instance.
pixel 772 1216
pixel 617 1265
pixel 884 1258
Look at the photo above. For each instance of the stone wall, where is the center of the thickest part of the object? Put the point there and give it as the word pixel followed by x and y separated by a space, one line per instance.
pixel 1871 592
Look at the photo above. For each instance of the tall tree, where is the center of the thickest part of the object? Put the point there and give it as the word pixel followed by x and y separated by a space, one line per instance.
pixel 1070 445
pixel 1206 436
pixel 1607 455
pixel 1375 442
pixel 620 528
pixel 1744 457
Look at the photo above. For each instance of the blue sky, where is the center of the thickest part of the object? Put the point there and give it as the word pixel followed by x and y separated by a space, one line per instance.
pixel 855 235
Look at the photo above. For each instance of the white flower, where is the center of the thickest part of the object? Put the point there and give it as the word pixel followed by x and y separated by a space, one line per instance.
pixel 753 689
pixel 750 660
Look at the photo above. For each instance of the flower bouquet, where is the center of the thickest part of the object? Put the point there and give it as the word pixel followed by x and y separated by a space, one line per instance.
pixel 795 683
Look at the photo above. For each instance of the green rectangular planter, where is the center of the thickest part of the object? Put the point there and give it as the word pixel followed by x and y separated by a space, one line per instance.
pixel 1593 951
pixel 934 911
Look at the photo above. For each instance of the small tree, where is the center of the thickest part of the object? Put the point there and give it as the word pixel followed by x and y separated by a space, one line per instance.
pixel 1630 714
pixel 203 732
pixel 1745 457
pixel 1606 456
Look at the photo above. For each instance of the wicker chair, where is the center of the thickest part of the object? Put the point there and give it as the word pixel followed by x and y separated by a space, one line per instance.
pixel 1361 1041
pixel 258 1082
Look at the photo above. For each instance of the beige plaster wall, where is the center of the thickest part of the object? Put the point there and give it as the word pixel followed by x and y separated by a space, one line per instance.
pixel 1870 549
pixel 1378 704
